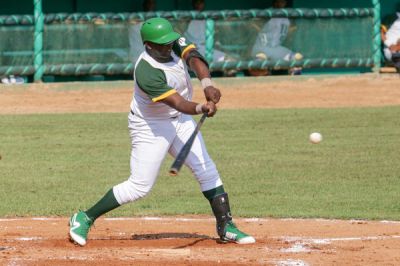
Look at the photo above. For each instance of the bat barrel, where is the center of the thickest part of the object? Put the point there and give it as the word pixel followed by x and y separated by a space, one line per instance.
pixel 181 157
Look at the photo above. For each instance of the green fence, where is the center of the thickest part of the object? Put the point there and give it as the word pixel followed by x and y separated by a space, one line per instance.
pixel 106 43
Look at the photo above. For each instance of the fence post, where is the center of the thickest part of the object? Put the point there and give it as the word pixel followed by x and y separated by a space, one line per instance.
pixel 377 35
pixel 38 41
pixel 209 53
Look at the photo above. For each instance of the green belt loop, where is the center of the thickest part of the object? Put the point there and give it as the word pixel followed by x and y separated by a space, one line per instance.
pixel 38 41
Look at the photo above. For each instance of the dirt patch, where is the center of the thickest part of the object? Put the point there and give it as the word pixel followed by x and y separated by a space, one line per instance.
pixel 263 92
pixel 191 241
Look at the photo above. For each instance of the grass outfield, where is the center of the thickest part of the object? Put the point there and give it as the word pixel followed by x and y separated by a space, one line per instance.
pixel 55 164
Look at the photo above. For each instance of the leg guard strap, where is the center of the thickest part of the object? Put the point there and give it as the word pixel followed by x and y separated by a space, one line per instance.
pixel 222 212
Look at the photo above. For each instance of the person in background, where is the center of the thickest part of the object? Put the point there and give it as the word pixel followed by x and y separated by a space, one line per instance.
pixel 149 5
pixel 135 43
pixel 269 41
pixel 196 33
pixel 10 80
pixel 391 41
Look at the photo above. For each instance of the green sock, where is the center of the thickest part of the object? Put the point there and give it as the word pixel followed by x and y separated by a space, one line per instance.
pixel 212 193
pixel 106 204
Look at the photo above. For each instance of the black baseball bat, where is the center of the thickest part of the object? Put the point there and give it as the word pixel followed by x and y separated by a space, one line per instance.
pixel 183 153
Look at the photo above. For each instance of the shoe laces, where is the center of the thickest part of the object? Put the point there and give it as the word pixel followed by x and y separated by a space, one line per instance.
pixel 88 220
pixel 231 223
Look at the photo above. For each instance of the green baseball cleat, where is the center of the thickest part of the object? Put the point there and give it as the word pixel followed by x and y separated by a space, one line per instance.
pixel 79 225
pixel 233 234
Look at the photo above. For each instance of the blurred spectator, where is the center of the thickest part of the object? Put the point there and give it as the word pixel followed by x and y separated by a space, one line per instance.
pixel 135 43
pixel 391 40
pixel 196 33
pixel 149 5
pixel 12 80
pixel 269 41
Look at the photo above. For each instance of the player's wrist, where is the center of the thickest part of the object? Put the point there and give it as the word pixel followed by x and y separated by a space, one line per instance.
pixel 206 82
pixel 199 108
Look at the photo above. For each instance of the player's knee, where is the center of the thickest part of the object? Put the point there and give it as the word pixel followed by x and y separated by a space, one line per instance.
pixel 141 191
pixel 207 175
pixel 129 191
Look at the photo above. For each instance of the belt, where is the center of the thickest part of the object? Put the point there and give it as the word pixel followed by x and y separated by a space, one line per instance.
pixel 171 117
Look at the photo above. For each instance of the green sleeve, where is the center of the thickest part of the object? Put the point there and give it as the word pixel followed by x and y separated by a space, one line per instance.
pixel 181 46
pixel 152 81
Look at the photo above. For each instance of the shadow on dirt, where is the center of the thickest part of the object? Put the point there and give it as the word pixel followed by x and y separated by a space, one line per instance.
pixel 198 238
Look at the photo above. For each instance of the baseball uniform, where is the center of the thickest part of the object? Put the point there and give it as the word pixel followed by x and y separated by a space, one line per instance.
pixel 157 129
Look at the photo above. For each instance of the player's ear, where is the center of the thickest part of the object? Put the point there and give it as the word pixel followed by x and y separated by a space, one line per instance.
pixel 147 45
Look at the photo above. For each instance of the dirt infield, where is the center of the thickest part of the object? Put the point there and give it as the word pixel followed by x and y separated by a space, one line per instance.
pixel 367 90
pixel 191 240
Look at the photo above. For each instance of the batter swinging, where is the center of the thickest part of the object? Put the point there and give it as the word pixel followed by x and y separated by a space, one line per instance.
pixel 160 122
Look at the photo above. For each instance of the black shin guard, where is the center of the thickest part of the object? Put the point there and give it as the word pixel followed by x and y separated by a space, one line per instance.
pixel 222 212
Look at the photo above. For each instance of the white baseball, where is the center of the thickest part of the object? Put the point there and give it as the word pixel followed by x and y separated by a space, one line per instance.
pixel 315 137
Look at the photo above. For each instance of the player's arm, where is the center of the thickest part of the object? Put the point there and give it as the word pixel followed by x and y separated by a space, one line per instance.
pixel 179 103
pixel 395 47
pixel 199 66
pixel 153 82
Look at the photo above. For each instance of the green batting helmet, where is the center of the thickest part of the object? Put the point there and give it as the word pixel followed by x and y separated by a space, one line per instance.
pixel 158 30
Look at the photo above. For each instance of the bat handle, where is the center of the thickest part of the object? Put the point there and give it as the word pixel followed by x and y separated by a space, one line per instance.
pixel 173 171
pixel 203 117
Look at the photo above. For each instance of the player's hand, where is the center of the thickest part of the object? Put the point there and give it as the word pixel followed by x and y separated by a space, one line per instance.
pixel 209 108
pixel 212 94
pixel 395 47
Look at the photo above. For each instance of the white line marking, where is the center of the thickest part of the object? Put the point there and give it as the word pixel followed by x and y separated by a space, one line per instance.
pixel 290 262
pixel 390 222
pixel 296 248
pixel 44 219
pixel 183 219
pixel 323 241
pixel 28 238
pixel 32 219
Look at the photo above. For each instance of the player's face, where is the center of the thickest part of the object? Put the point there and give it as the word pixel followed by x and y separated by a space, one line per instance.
pixel 150 5
pixel 280 4
pixel 199 5
pixel 160 52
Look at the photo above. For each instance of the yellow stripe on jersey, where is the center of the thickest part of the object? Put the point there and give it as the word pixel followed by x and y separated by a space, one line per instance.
pixel 164 95
pixel 189 47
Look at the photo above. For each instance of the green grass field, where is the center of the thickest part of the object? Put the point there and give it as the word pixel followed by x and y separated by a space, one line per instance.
pixel 56 164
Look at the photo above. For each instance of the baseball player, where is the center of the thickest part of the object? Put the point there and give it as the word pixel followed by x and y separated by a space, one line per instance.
pixel 160 122
pixel 269 41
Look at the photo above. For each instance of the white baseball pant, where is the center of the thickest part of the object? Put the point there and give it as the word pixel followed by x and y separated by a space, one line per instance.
pixel 151 141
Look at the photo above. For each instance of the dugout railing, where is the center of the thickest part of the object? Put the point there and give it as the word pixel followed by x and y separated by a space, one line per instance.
pixel 96 43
